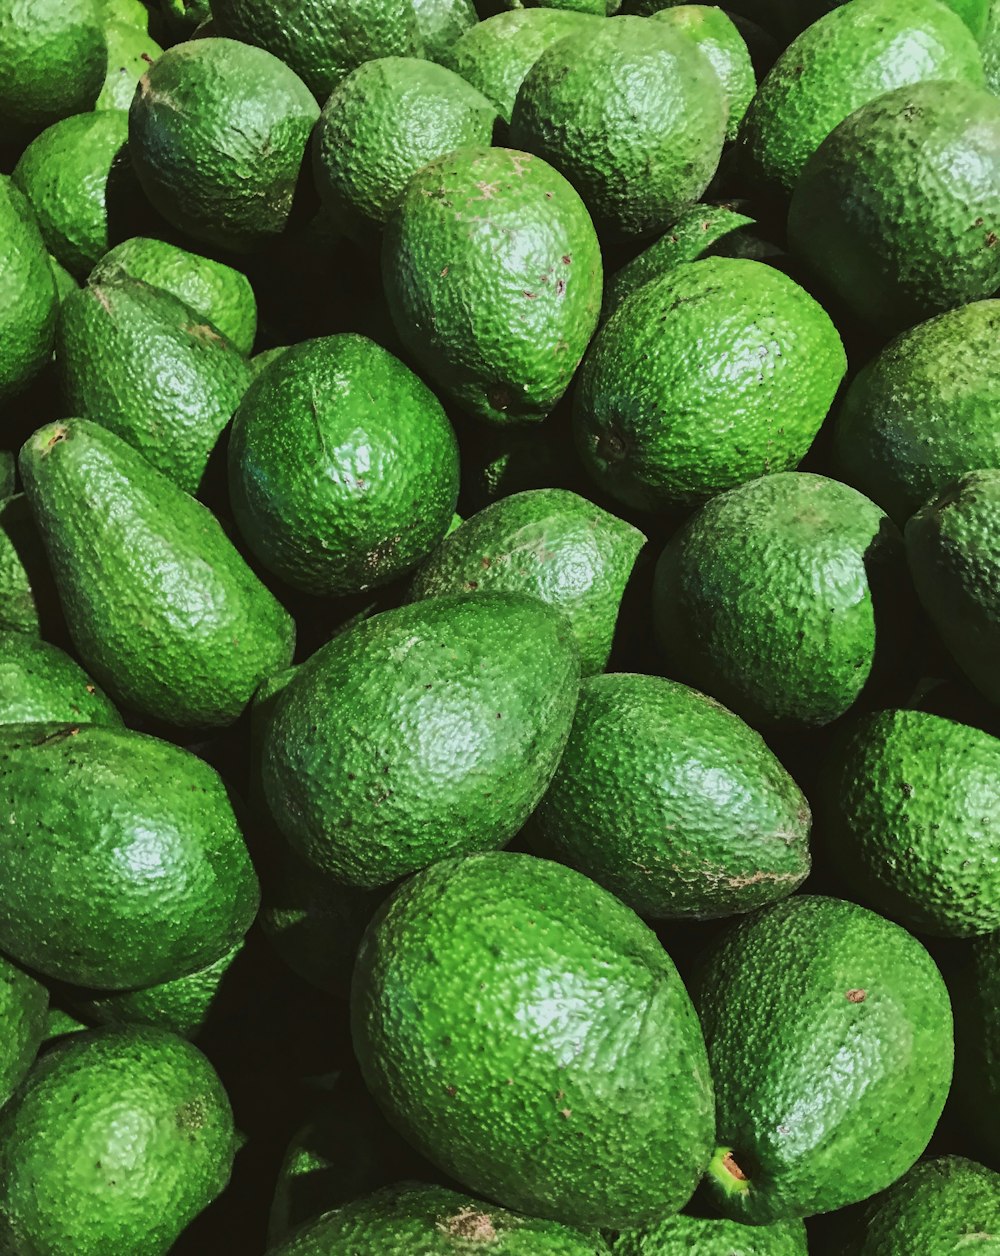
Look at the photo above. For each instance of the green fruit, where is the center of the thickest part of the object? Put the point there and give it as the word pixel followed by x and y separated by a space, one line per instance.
pixel 898 210
pixel 492 272
pixel 39 683
pixel 950 1204
pixel 440 23
pixel 977 1024
pixel 423 732
pixel 116 1141
pixel 410 1217
pixel 495 55
pixel 24 1004
pixel 775 597
pixel 666 413
pixel 27 594
pixel 64 174
pixel 698 1236
pixel 562 1070
pixel 217 134
pixel 140 362
pixel 921 412
pixel 381 124
pixel 829 1034
pixel 551 544
pixel 725 49
pixel 332 494
pixel 126 12
pixel 130 50
pixel 672 803
pixel 54 57
pixel 850 57
pixel 161 607
pixel 632 114
pixel 27 295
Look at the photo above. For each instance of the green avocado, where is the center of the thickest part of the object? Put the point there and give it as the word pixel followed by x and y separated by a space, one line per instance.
pixel 24 1006
pixel 440 23
pixel 712 1236
pixel 976 992
pixel 130 50
pixel 39 683
pixel 27 594
pixel 28 305
pixel 562 1071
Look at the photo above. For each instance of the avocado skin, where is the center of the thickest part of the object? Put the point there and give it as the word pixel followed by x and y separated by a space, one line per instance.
pixel 712 1236
pixel 822 998
pixel 563 1073
pixel 88 811
pixel 28 307
pixel 40 683
pixel 24 1008
pixel 161 607
pixel 26 590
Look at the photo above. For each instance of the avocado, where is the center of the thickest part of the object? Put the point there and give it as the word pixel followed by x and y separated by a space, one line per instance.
pixel 422 732
pixel 28 304
pixel 24 1005
pixel 117 1139
pixel 712 1236
pixel 39 683
pixel 787 18
pixel 130 50
pixel 829 1035
pixel 552 544
pixel 124 863
pixel 976 992
pixel 496 309
pixel 28 597
pixel 563 1071
pixel 162 609
pixel 440 23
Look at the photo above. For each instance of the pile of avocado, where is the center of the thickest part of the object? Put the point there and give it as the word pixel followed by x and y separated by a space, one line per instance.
pixel 499 628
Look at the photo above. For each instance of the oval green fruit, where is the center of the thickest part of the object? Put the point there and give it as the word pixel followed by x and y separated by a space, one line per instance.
pixel 712 1236
pixel 40 683
pixel 130 50
pixel 28 305
pixel 24 1007
pixel 54 58
pixel 724 47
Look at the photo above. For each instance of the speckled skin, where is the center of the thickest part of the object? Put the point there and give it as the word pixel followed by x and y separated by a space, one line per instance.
pixel 776 597
pixel 910 809
pixel 699 1236
pixel 128 50
pixel 849 57
pixel 528 1033
pixel 54 57
pixel 724 47
pixel 422 732
pixel 953 548
pixel 124 865
pixel 117 1139
pixel 343 467
pixel 162 608
pixel 552 544
pixel 943 1206
pixel 22 567
pixel 24 1006
pixel 495 55
pixel 829 1034
pixel 217 135
pixel 385 121
pixel 27 294
pixel 39 683
pixel 214 291
pixel 632 114
pixel 898 210
pixel 142 364
pixel 440 23
pixel 923 410
pixel 493 275
pixel 673 803
pixel 718 372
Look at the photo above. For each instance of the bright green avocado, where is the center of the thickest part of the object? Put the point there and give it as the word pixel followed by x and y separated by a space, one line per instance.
pixel 123 862
pixel 27 594
pixel 162 608
pixel 562 1071
pixel 27 294
pixel 130 50
pixel 440 23
pixel 24 1004
pixel 422 732
pixel 40 683
pixel 117 1139
pixel 712 1236
pixel 829 1035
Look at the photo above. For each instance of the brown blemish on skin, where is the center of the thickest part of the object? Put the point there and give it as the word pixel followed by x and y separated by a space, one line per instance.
pixel 58 435
pixel 857 996
pixel 731 1167
pixel 59 735
pixel 469 1224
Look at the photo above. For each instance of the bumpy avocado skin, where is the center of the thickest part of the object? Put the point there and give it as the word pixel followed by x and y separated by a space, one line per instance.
pixel 28 308
pixel 39 683
pixel 24 1007
pixel 712 1236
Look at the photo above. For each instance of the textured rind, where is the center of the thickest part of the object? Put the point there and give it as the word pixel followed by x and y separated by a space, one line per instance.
pixel 922 412
pixel 130 50
pixel 953 548
pixel 632 114
pixel 385 121
pixel 162 608
pixel 898 210
pixel 27 593
pixel 64 174
pixel 124 865
pixel 423 732
pixel 673 803
pixel 946 1205
pixel 700 1236
pixel 910 810
pixel 507 227
pixel 440 23
pixel 829 1034
pixel 718 372
pixel 343 466
pixel 722 44
pixel 40 683
pixel 27 294
pixel 53 56
pixel 140 363
pixel 528 1033
pixel 24 1007
pixel 552 544
pixel 846 59
pixel 116 1140
pixel 771 597
pixel 411 1217
pixel 217 134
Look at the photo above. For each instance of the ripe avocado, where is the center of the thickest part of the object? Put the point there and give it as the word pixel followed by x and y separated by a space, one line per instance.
pixel 440 23
pixel 39 683
pixel 24 1005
